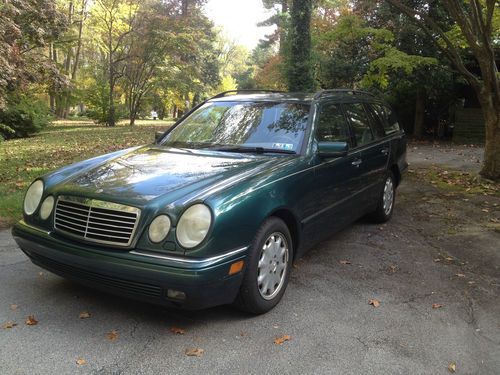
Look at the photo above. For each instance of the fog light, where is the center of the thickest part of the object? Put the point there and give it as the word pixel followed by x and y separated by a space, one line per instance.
pixel 236 267
pixel 176 294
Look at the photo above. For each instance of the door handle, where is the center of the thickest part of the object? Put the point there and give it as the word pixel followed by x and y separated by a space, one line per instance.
pixel 357 162
pixel 385 151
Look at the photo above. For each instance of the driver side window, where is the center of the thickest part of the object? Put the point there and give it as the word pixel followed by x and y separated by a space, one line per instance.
pixel 332 125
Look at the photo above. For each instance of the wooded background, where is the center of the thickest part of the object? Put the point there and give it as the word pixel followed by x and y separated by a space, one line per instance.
pixel 119 59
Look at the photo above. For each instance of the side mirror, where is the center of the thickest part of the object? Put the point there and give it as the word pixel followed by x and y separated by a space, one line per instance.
pixel 158 136
pixel 332 149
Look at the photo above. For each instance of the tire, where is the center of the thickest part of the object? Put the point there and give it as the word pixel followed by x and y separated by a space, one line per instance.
pixel 383 212
pixel 272 243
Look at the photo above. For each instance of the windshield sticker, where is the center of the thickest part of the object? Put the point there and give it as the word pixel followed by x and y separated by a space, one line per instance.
pixel 283 146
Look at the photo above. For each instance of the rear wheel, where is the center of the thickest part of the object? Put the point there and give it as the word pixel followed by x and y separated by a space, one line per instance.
pixel 268 268
pixel 385 205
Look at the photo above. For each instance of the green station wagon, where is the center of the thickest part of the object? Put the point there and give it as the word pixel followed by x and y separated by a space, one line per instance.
pixel 218 208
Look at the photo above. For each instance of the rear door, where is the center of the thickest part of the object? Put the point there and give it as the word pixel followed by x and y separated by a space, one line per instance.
pixel 373 149
pixel 377 154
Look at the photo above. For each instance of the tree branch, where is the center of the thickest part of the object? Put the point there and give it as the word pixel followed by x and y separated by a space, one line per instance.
pixel 431 28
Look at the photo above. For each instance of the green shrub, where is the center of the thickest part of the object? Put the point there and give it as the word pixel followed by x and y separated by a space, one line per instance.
pixel 23 115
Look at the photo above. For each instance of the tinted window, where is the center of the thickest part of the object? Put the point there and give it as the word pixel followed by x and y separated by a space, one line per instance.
pixel 376 122
pixel 332 126
pixel 388 117
pixel 359 122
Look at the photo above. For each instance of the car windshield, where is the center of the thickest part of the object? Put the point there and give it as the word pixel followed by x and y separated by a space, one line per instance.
pixel 243 126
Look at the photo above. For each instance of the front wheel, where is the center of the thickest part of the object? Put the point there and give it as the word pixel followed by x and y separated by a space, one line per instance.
pixel 268 268
pixel 385 205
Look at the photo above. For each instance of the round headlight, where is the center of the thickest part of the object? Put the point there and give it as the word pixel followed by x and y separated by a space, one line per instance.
pixel 159 228
pixel 47 206
pixel 33 197
pixel 193 225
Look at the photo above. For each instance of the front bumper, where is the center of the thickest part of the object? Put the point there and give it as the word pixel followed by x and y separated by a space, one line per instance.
pixel 144 276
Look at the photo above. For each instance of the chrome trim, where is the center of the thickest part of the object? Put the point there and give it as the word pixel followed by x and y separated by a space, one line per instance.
pixel 89 227
pixel 190 262
pixel 32 227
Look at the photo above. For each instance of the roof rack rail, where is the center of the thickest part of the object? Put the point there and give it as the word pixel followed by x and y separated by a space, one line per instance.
pixel 225 93
pixel 321 93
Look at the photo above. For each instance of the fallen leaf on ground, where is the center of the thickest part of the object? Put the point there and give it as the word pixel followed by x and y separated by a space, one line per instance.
pixel 194 352
pixel 460 275
pixel 177 330
pixel 452 367
pixel 84 315
pixel 9 325
pixel 436 305
pixel 80 361
pixel 448 258
pixel 374 302
pixel 31 321
pixel 344 261
pixel 13 307
pixel 112 335
pixel 282 339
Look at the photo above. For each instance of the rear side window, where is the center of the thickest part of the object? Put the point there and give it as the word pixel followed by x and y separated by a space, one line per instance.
pixel 332 126
pixel 376 122
pixel 359 122
pixel 389 120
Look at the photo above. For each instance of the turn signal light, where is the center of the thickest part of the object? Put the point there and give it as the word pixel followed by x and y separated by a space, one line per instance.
pixel 236 267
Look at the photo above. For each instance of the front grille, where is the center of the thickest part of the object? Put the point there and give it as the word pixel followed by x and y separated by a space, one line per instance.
pixel 96 221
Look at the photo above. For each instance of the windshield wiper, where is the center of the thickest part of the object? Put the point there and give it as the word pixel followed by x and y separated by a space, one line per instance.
pixel 257 150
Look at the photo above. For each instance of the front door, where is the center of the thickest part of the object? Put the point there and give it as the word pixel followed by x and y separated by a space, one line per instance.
pixel 336 179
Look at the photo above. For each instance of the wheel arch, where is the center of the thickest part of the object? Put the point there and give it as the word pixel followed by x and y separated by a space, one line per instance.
pixel 291 221
pixel 397 173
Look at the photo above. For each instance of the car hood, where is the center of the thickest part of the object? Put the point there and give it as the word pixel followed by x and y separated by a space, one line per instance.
pixel 148 172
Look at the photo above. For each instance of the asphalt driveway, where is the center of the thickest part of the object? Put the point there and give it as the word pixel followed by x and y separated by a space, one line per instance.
pixel 439 249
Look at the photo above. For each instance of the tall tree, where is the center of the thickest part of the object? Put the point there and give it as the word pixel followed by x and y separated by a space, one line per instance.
pixel 113 24
pixel 299 66
pixel 278 19
pixel 27 29
pixel 477 24
pixel 67 49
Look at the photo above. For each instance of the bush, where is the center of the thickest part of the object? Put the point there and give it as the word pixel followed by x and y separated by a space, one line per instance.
pixel 23 116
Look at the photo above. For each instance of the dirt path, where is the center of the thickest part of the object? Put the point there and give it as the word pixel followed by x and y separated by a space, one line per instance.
pixel 458 157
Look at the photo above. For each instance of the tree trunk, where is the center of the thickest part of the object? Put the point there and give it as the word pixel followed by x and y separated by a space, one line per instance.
pixel 52 101
pixel 491 164
pixel 79 43
pixel 111 77
pixel 299 74
pixel 111 110
pixel 133 116
pixel 185 7
pixel 418 129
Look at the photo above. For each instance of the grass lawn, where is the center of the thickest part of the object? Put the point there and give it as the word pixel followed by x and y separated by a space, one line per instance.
pixel 62 143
